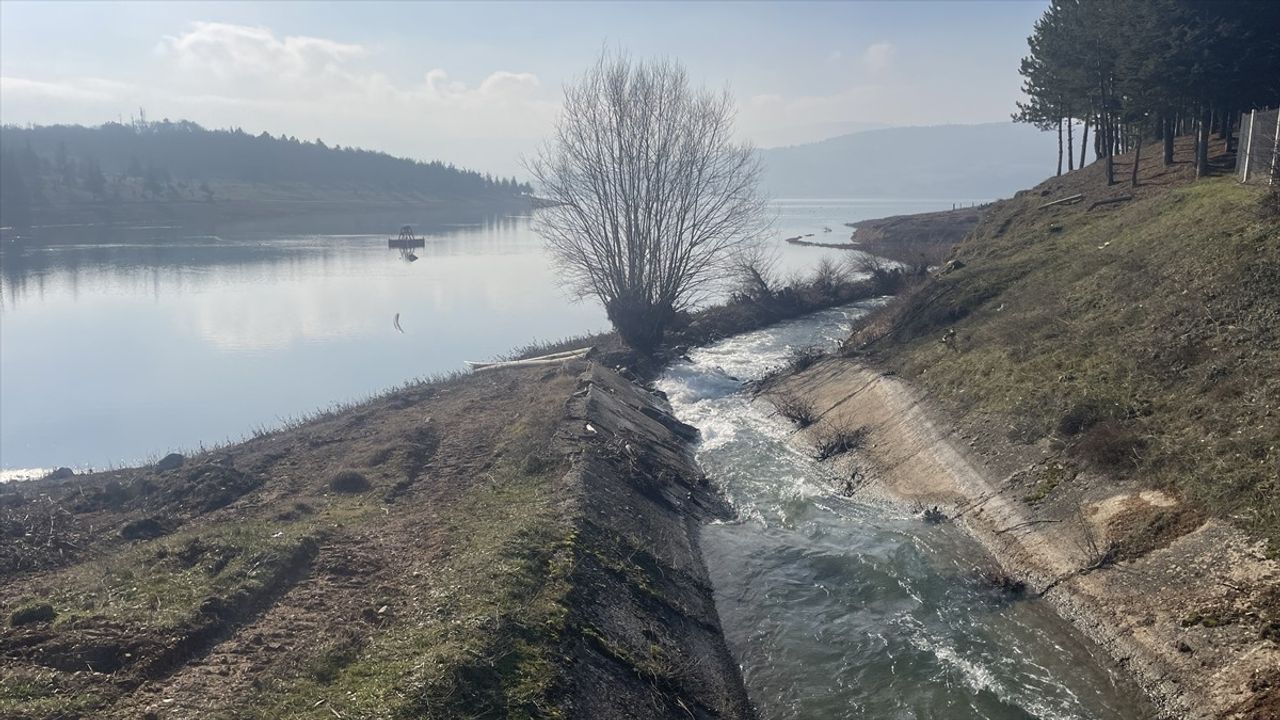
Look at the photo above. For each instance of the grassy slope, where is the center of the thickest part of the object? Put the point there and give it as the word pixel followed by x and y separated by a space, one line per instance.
pixel 445 601
pixel 1141 337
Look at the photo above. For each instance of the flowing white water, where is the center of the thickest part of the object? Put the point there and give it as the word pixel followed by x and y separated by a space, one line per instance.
pixel 840 608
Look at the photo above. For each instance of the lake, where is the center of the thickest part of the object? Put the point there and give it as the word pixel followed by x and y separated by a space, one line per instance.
pixel 118 345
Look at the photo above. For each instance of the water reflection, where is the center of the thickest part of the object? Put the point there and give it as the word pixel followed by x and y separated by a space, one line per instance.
pixel 121 343
pixel 129 345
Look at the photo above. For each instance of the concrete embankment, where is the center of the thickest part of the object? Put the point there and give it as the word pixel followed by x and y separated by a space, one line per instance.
pixel 1182 607
pixel 647 634
pixel 520 542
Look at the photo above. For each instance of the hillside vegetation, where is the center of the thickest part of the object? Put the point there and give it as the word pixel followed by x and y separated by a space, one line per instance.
pixel 1138 337
pixel 53 173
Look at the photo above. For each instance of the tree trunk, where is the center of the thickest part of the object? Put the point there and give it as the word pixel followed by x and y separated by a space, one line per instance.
pixel 1167 127
pixel 1084 140
pixel 1110 145
pixel 1059 146
pixel 1202 142
pixel 641 326
pixel 1071 148
pixel 1137 155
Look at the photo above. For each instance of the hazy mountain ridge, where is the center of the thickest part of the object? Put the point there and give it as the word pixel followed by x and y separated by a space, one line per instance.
pixel 964 162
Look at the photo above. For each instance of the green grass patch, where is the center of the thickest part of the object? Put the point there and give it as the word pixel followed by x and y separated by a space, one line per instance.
pixel 40 694
pixel 1144 339
pixel 481 635
pixel 162 584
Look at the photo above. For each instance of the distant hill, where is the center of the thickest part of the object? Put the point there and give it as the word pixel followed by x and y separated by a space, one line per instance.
pixel 804 133
pixel 73 173
pixel 945 161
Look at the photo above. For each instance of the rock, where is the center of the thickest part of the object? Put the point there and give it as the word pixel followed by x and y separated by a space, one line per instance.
pixel 32 614
pixel 144 529
pixel 1183 647
pixel 172 461
pixel 61 473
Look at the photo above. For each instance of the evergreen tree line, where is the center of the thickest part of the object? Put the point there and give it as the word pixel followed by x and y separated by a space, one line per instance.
pixel 39 163
pixel 1132 71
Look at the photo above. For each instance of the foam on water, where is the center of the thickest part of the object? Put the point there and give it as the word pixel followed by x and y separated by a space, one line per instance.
pixel 837 608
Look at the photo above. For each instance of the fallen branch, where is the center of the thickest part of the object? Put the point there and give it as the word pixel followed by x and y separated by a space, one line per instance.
pixel 1064 201
pixel 540 360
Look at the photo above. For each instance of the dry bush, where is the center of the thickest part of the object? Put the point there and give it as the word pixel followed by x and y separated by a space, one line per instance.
pixel 1079 418
pixel 1111 445
pixel 349 481
pixel 754 273
pixel 1271 202
pixel 802 359
pixel 797 409
pixel 885 276
pixel 830 440
pixel 828 276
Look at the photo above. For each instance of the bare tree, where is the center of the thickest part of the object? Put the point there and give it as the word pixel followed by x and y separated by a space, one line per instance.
pixel 651 197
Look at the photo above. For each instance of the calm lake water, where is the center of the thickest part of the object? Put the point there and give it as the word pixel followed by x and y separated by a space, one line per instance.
pixel 121 345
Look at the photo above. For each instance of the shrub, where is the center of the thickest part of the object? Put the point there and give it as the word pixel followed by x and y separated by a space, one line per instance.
pixel 885 276
pixel 828 276
pixel 795 408
pixel 349 481
pixel 1111 445
pixel 32 614
pixel 830 440
pixel 1077 419
pixel 804 358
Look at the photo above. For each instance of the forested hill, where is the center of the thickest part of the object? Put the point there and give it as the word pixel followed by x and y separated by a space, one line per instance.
pixel 51 171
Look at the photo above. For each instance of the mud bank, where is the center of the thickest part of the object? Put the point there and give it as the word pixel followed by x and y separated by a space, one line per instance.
pixel 514 543
pixel 1187 606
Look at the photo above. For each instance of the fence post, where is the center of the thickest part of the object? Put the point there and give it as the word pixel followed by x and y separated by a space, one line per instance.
pixel 1248 148
pixel 1275 150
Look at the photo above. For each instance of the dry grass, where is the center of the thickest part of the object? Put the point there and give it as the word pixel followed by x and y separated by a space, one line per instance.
pixel 1143 335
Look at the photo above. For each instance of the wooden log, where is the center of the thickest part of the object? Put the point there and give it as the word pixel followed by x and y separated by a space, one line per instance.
pixel 540 360
pixel 1064 201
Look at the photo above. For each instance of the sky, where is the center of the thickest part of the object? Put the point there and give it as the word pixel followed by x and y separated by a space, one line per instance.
pixel 479 84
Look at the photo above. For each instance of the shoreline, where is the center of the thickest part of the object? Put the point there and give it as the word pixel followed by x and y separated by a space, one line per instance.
pixel 908 239
pixel 1177 639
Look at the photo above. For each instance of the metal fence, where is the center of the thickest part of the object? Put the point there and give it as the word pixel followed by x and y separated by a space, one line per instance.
pixel 1256 161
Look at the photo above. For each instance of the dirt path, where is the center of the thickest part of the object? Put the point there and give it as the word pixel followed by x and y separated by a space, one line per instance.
pixel 1188 608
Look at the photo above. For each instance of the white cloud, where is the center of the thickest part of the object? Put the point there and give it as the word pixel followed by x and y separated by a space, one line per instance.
pixel 223 75
pixel 237 50
pixel 878 56
pixel 835 56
